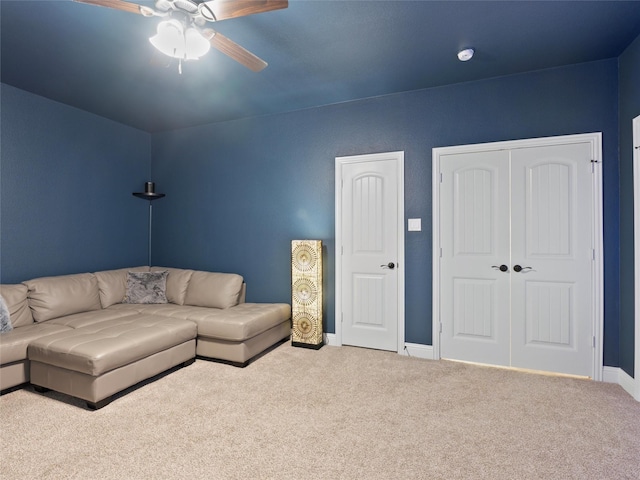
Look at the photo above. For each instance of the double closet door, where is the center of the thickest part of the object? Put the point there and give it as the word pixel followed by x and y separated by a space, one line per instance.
pixel 517 257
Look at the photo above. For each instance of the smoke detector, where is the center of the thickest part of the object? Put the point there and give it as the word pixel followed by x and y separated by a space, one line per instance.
pixel 466 54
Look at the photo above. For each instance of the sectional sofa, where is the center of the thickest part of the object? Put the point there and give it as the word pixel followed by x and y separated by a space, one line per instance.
pixel 92 335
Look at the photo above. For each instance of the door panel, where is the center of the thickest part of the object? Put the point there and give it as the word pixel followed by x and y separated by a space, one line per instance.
pixel 369 244
pixel 368 300
pixel 475 238
pixel 473 308
pixel 552 234
pixel 367 215
pixel 549 313
pixel 549 214
pixel 473 210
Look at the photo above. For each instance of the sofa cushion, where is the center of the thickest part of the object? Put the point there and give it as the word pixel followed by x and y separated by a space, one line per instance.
pixel 235 324
pixel 113 284
pixel 5 317
pixel 146 287
pixel 242 322
pixel 16 298
pixel 177 283
pixel 127 307
pixel 13 345
pixel 53 297
pixel 99 348
pixel 78 320
pixel 215 290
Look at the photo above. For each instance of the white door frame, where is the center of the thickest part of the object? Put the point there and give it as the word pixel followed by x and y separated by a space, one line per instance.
pixel 636 223
pixel 373 157
pixel 596 149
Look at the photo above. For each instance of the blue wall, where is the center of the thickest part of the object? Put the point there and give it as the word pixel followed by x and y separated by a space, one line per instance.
pixel 66 178
pixel 238 192
pixel 629 109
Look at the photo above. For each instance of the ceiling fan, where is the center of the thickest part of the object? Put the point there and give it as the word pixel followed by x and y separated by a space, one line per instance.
pixel 182 33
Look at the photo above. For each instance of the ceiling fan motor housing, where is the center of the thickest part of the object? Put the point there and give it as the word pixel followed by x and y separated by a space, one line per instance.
pixel 188 6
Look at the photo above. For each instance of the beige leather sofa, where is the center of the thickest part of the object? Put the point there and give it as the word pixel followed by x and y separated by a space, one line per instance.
pixel 74 334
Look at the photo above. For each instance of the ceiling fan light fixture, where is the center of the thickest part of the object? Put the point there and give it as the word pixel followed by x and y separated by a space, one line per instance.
pixel 466 54
pixel 195 44
pixel 170 38
pixel 174 41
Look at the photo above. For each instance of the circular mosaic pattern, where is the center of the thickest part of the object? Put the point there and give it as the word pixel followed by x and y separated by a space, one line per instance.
pixel 303 326
pixel 304 258
pixel 304 291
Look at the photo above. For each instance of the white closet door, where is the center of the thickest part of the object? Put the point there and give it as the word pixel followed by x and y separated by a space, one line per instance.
pixel 516 267
pixel 551 240
pixel 474 233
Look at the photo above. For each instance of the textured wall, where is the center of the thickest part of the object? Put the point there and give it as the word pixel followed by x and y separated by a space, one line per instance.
pixel 66 179
pixel 238 192
pixel 629 109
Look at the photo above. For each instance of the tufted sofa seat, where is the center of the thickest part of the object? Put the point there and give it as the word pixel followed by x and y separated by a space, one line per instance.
pixel 74 333
pixel 96 361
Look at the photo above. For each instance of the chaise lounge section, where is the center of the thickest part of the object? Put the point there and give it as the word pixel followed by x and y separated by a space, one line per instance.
pixel 92 335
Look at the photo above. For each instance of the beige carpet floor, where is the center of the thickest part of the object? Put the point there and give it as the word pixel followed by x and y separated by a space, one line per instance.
pixel 336 413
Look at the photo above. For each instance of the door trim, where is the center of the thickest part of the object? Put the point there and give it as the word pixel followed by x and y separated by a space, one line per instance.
pixel 597 307
pixel 398 157
pixel 636 223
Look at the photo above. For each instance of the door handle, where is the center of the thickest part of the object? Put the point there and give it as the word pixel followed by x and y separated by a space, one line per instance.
pixel 389 265
pixel 518 268
pixel 502 268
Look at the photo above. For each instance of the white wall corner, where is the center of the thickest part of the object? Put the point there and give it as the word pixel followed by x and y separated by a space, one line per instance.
pixel 622 378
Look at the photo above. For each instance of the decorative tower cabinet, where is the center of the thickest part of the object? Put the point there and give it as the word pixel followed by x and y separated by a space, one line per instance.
pixel 306 293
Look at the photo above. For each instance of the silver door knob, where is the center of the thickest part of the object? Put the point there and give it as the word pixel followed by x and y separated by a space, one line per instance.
pixel 389 265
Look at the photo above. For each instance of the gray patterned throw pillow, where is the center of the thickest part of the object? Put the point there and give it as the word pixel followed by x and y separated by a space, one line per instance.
pixel 146 287
pixel 5 319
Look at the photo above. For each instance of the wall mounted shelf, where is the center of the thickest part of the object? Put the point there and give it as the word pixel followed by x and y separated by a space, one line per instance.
pixel 148 196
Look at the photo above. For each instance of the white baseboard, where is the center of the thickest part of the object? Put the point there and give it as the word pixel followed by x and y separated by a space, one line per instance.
pixel 622 378
pixel 330 339
pixel 628 383
pixel 610 374
pixel 418 350
pixel 410 349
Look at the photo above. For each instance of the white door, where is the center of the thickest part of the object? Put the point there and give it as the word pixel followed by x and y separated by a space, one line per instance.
pixel 517 253
pixel 475 245
pixel 551 240
pixel 370 255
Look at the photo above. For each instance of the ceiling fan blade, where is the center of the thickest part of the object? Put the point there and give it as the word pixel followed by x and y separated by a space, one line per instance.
pixel 235 51
pixel 116 4
pixel 223 9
